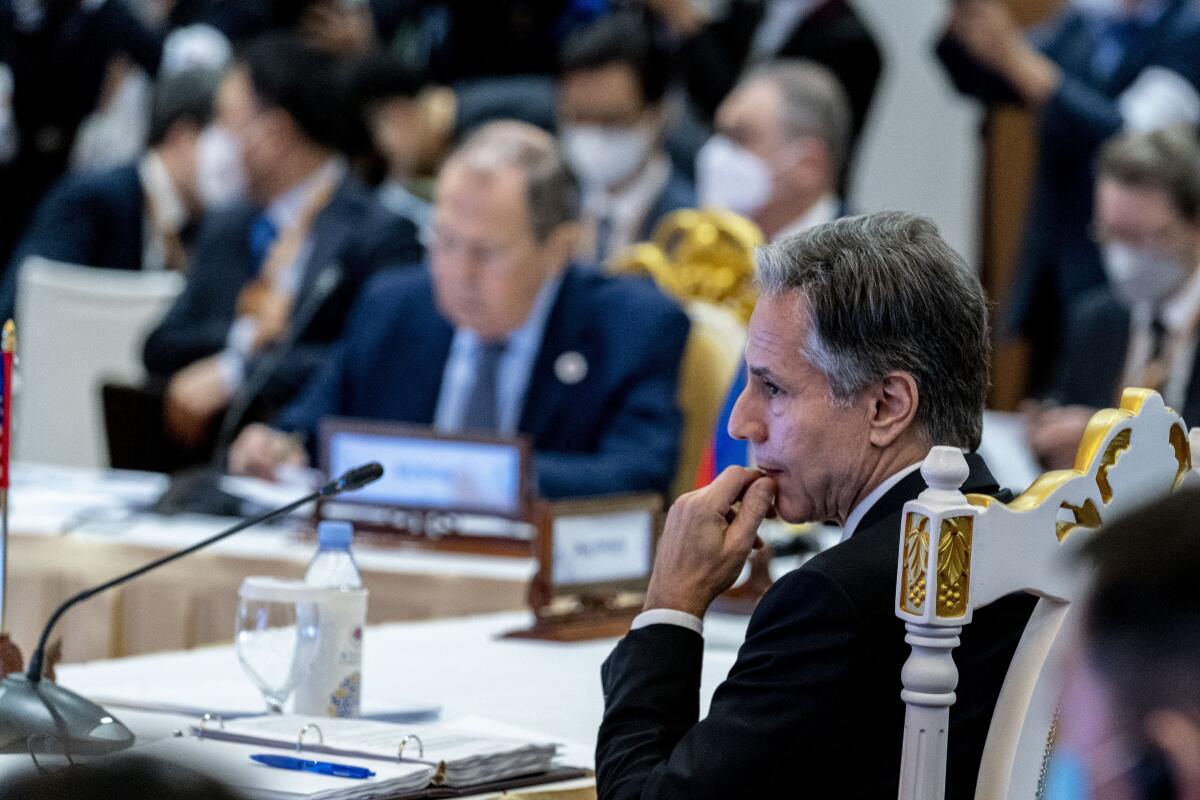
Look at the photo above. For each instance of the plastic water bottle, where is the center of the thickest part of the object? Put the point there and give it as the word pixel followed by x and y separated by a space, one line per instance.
pixel 333 566
pixel 332 685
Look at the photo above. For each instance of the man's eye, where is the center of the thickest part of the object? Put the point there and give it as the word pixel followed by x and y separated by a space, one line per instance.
pixel 771 389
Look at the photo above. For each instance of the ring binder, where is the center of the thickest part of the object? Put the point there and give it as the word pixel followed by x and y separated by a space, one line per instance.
pixel 204 720
pixel 404 743
pixel 304 730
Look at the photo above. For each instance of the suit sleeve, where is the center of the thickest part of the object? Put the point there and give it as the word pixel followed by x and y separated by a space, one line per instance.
pixel 781 696
pixel 197 324
pixel 64 228
pixel 639 447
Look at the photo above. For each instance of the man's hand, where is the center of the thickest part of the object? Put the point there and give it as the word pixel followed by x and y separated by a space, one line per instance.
pixel 707 539
pixel 259 451
pixel 195 395
pixel 987 30
pixel 1055 433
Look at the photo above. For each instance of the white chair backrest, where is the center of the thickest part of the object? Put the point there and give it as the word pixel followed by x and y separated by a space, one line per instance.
pixel 959 553
pixel 79 327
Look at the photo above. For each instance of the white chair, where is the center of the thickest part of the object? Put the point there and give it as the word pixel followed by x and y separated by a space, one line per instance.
pixel 79 327
pixel 959 553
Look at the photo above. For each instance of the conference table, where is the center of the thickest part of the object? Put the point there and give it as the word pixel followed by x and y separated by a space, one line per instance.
pixel 462 666
pixel 71 528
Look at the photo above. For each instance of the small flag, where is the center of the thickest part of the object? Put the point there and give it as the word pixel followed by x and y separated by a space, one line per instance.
pixel 8 345
pixel 724 451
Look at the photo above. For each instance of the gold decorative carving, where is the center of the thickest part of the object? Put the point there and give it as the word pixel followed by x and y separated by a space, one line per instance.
pixel 954 566
pixel 1183 453
pixel 699 255
pixel 916 556
pixel 1086 516
pixel 1116 447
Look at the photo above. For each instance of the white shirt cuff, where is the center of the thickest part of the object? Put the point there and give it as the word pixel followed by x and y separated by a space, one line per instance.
pixel 668 616
pixel 232 366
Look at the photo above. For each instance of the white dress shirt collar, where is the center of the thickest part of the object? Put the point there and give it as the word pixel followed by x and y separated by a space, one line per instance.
pixel 827 209
pixel 285 209
pixel 169 210
pixel 867 503
pixel 627 209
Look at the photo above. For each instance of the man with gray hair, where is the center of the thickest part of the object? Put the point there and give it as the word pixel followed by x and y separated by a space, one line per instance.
pixel 504 335
pixel 781 144
pixel 868 346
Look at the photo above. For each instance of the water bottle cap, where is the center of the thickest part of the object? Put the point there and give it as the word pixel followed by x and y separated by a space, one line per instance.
pixel 335 533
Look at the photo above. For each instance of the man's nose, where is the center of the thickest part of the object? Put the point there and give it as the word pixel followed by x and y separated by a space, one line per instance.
pixel 745 419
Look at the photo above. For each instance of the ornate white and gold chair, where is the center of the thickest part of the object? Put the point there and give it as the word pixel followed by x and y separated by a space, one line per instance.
pixel 959 553
pixel 704 259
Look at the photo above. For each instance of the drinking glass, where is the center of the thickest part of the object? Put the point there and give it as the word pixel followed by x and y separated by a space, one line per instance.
pixel 278 626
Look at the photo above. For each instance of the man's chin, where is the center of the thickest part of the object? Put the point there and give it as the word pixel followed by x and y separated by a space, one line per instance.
pixel 793 513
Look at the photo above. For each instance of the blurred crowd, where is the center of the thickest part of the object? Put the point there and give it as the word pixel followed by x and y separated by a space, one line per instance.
pixel 401 210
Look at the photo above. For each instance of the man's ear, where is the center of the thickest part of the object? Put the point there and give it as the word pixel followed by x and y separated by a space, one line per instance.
pixel 892 407
pixel 1177 738
pixel 563 244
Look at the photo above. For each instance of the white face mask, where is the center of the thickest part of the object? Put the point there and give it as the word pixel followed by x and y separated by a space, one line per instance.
pixel 1140 275
pixel 603 156
pixel 220 176
pixel 730 176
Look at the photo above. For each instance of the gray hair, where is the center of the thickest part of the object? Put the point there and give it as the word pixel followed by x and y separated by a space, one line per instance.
pixel 551 189
pixel 884 292
pixel 814 104
pixel 1167 159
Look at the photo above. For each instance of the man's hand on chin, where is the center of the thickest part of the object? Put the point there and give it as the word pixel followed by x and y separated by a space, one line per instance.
pixel 709 533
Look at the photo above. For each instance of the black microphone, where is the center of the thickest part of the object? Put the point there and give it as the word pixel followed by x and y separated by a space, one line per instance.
pixel 30 708
pixel 327 280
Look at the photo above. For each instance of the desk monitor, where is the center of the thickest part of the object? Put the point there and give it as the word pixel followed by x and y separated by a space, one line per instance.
pixel 429 471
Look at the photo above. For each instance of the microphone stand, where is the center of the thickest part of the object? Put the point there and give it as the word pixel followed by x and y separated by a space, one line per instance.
pixel 33 709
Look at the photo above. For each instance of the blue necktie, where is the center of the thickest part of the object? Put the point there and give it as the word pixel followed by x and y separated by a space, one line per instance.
pixel 482 413
pixel 263 233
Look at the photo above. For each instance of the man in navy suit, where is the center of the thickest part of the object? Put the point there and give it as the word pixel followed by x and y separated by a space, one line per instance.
pixel 281 270
pixel 503 334
pixel 612 122
pixel 1142 327
pixel 868 346
pixel 1094 70
pixel 136 216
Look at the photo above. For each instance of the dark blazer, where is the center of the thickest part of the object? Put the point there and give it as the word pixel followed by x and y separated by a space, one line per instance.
pixel 1097 344
pixel 832 35
pixel 616 430
pixel 678 193
pixel 1059 261
pixel 812 705
pixel 352 230
pixel 90 218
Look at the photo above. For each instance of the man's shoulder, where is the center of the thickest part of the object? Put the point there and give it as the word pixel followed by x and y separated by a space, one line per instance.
pixel 615 300
pixel 100 185
pixel 1098 306
pixel 399 289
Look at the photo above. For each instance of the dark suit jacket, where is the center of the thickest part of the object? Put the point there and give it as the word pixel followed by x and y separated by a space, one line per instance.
pixel 90 218
pixel 352 231
pixel 58 65
pixel 1059 261
pixel 832 35
pixel 616 430
pixel 678 193
pixel 812 707
pixel 1097 344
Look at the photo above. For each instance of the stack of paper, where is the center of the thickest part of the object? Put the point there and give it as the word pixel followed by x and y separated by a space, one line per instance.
pixel 458 753
pixel 230 763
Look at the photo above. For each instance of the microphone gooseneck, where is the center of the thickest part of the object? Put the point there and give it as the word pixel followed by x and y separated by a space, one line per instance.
pixel 350 480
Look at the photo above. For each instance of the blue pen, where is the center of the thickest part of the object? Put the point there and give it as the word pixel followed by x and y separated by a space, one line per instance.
pixel 319 767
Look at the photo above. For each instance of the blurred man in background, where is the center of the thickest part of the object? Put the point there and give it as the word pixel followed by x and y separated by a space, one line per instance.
pixel 612 119
pixel 504 335
pixel 137 216
pixel 1130 715
pixel 1140 328
pixel 301 234
pixel 1099 67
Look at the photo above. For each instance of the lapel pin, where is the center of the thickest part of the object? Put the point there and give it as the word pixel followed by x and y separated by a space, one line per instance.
pixel 570 367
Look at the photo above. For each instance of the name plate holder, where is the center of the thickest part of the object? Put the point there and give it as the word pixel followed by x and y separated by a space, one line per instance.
pixel 456 493
pixel 594 559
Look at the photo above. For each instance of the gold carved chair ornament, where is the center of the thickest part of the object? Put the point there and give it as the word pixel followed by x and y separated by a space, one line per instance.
pixel 705 260
pixel 958 553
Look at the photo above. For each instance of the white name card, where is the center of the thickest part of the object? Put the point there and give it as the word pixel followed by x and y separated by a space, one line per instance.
pixel 602 548
pixel 422 472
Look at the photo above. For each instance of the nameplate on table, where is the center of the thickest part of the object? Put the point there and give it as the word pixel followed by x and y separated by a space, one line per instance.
pixel 427 471
pixel 602 548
